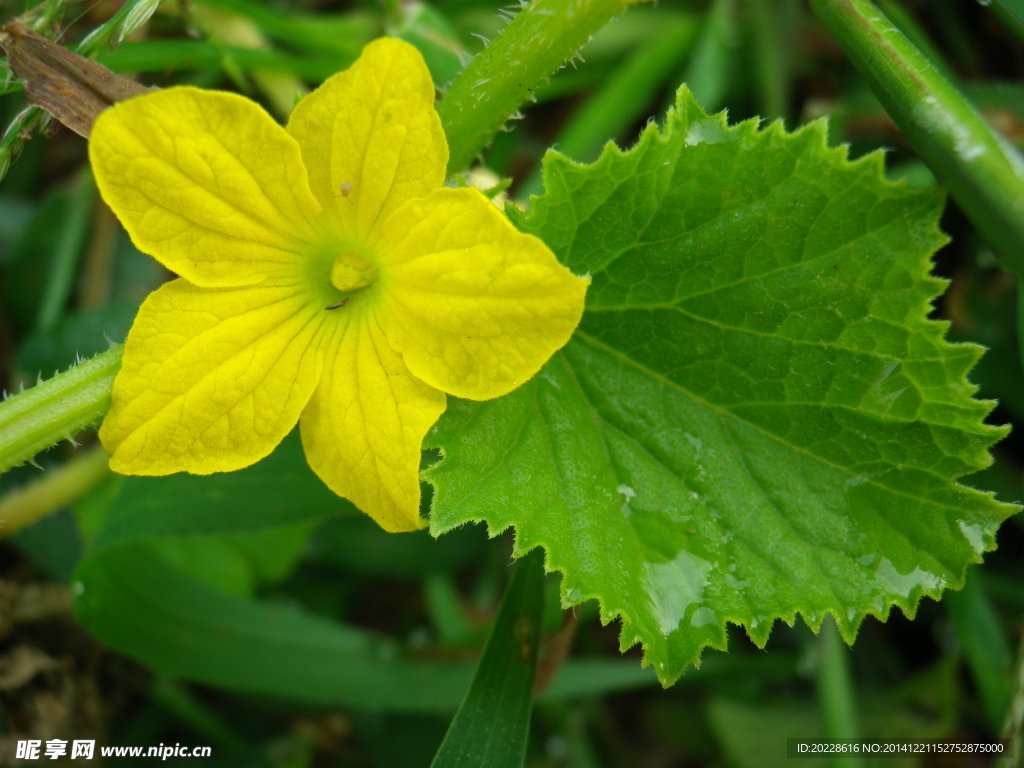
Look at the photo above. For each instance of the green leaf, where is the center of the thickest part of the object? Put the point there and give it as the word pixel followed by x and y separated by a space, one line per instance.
pixel 237 531
pixel 277 491
pixel 143 607
pixel 172 561
pixel 237 563
pixel 756 418
pixel 492 723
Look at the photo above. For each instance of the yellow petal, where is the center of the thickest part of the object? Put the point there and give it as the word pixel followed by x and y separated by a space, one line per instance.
pixel 212 379
pixel 364 426
pixel 474 306
pixel 370 135
pixel 204 181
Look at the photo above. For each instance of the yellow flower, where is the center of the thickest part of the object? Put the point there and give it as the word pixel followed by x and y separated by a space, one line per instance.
pixel 327 278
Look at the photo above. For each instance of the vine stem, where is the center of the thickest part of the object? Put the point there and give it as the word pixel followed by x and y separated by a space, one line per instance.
pixel 982 171
pixel 540 38
pixel 56 409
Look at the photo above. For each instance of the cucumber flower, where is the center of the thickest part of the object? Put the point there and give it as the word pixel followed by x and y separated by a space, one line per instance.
pixel 327 278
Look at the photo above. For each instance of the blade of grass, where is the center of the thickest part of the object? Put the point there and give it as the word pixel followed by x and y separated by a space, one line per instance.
pixel 772 34
pixel 344 34
pixel 1020 320
pixel 713 65
pixel 982 171
pixel 490 729
pixel 988 654
pixel 442 602
pixel 1013 722
pixel 143 607
pixel 74 230
pixel 835 693
pixel 161 55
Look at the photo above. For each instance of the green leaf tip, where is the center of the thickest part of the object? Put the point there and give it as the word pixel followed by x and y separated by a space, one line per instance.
pixel 756 418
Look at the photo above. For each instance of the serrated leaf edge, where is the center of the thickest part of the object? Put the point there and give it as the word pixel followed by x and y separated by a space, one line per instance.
pixel 849 626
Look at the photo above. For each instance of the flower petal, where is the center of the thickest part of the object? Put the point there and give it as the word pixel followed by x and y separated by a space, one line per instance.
pixel 364 426
pixel 204 181
pixel 370 135
pixel 212 379
pixel 475 306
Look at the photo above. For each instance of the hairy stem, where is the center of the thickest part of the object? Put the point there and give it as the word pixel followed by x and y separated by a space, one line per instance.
pixel 56 409
pixel 542 37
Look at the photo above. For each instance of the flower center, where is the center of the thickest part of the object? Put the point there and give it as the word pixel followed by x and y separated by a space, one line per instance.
pixel 352 271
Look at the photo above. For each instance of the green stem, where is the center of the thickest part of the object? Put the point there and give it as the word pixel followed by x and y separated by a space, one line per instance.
pixel 56 409
pixel 908 25
pixel 982 171
pixel 835 692
pixel 53 490
pixel 542 37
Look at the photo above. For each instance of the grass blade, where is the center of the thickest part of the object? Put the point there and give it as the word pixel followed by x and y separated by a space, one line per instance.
pixel 491 726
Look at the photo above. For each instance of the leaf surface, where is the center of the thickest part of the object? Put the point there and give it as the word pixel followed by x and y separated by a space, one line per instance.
pixel 755 418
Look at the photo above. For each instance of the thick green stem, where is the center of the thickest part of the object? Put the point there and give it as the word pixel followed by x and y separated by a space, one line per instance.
pixel 56 409
pixel 542 37
pixel 979 167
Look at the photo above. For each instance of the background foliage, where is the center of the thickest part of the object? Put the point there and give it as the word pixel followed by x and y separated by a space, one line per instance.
pixel 320 640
